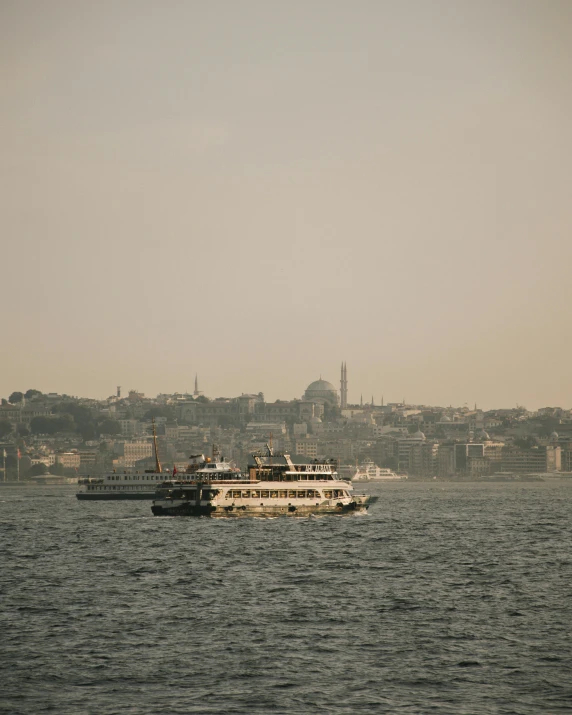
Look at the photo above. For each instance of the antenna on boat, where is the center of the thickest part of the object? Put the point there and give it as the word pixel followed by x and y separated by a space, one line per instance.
pixel 270 448
pixel 157 462
pixel 270 451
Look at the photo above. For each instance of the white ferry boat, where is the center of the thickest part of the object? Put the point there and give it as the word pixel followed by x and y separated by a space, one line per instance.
pixel 142 485
pixel 275 486
pixel 370 472
pixel 133 485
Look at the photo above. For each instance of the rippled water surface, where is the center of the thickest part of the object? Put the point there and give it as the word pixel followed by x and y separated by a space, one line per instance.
pixel 445 598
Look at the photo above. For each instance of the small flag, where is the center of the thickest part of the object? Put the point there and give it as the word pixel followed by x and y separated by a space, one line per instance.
pixel 174 470
pixel 19 455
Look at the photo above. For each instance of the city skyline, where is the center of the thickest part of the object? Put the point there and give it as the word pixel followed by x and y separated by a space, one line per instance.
pixel 343 391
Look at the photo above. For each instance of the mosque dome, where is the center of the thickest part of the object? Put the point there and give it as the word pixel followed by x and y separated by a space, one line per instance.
pixel 321 390
pixel 419 435
pixel 484 435
pixel 554 436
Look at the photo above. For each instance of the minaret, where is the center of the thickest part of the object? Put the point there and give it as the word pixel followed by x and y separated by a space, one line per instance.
pixel 344 387
pixel 196 393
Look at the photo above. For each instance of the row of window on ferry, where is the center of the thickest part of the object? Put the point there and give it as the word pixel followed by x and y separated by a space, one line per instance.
pixel 138 478
pixel 121 488
pixel 265 476
pixel 285 494
pixel 260 494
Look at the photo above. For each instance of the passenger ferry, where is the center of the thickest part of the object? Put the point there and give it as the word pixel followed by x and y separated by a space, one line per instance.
pixel 126 485
pixel 142 485
pixel 370 472
pixel 275 486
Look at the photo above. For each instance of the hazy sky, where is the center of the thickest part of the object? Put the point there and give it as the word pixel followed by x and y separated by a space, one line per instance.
pixel 256 191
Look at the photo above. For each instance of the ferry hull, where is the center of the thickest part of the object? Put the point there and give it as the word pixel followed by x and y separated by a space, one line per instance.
pixel 225 512
pixel 102 496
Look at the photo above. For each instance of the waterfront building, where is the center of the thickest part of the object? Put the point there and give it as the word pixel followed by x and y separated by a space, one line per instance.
pixel 446 460
pixel 404 446
pixel 68 460
pixel 464 453
pixel 88 458
pixel 478 466
pixel 566 458
pixel 530 461
pixel 493 452
pixel 422 458
pixel 47 459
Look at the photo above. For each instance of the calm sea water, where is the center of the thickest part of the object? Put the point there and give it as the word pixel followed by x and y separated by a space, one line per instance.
pixel 445 598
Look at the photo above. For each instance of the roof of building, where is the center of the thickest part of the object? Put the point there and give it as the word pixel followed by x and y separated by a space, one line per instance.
pixel 321 386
